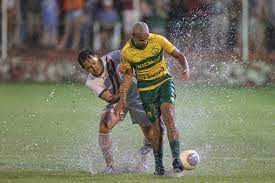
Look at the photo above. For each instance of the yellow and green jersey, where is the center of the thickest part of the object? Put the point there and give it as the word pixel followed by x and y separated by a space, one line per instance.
pixel 149 63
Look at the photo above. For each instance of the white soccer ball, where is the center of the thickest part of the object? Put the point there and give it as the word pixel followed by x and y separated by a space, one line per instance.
pixel 189 159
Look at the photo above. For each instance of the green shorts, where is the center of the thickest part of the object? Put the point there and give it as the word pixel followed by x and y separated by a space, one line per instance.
pixel 152 99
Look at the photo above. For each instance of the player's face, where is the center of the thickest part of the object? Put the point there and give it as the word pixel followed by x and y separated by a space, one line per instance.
pixel 141 39
pixel 94 66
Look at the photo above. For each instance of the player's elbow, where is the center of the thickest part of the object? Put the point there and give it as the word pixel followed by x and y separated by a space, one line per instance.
pixel 180 56
pixel 112 100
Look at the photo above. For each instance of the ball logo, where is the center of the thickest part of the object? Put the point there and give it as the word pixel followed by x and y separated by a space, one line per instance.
pixel 192 159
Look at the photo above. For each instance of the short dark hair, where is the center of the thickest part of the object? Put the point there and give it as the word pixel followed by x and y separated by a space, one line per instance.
pixel 83 56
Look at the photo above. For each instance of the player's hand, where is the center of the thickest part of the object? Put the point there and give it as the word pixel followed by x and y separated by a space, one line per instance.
pixel 119 109
pixel 123 88
pixel 185 74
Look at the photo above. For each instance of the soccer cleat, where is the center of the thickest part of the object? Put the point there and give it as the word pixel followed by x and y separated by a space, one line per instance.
pixel 159 171
pixel 109 170
pixel 145 149
pixel 177 166
pixel 142 156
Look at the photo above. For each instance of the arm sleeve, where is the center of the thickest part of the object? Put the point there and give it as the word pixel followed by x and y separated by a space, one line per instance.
pixel 165 44
pixel 115 56
pixel 126 64
pixel 97 88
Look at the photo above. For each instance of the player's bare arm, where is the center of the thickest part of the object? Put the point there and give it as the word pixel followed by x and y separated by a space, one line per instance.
pixel 126 84
pixel 183 62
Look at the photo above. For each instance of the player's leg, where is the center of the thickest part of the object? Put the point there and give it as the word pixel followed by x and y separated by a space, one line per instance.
pixel 167 107
pixel 147 145
pixel 145 130
pixel 155 134
pixel 144 151
pixel 138 116
pixel 107 122
pixel 168 115
pixel 156 137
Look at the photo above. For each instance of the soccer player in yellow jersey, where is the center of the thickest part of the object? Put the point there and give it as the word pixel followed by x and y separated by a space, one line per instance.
pixel 144 53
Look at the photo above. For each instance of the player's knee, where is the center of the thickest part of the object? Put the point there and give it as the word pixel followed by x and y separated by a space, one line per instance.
pixel 167 108
pixel 168 115
pixel 153 139
pixel 103 129
pixel 110 125
pixel 153 135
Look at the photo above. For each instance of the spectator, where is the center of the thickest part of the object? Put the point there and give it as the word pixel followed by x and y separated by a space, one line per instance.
pixel 14 20
pixel 87 32
pixel 270 27
pixel 234 9
pixel 107 18
pixel 145 10
pixel 50 22
pixel 195 22
pixel 219 25
pixel 31 14
pixel 74 19
pixel 130 15
pixel 256 27
pixel 157 19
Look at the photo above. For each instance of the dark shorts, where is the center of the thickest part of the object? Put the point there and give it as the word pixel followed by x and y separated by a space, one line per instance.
pixel 152 99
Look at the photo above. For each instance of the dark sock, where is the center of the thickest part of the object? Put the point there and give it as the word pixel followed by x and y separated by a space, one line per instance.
pixel 158 160
pixel 175 148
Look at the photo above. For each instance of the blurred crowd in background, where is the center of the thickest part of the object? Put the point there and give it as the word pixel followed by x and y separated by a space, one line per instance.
pixel 45 36
pixel 104 25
